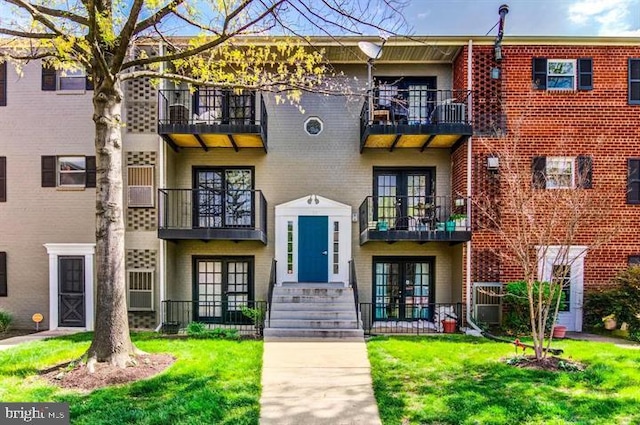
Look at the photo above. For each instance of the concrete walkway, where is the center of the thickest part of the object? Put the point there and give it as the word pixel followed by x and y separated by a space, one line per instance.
pixel 317 383
pixel 5 344
pixel 583 336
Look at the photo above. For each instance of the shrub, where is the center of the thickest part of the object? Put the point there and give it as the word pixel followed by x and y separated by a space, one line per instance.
pixel 5 321
pixel 516 320
pixel 623 301
pixel 257 316
pixel 200 331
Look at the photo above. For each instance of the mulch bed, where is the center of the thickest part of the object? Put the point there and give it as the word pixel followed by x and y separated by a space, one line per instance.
pixel 75 375
pixel 551 363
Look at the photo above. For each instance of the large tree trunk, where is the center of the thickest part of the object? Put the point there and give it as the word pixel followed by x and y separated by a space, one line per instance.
pixel 111 342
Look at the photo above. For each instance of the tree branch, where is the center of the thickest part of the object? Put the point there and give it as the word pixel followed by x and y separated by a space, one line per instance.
pixel 125 36
pixel 156 17
pixel 61 14
pixel 23 34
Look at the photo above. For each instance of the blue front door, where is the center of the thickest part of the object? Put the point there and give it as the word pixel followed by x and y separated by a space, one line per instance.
pixel 313 240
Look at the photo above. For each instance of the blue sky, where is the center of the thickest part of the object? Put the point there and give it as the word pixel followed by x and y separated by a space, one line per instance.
pixel 525 17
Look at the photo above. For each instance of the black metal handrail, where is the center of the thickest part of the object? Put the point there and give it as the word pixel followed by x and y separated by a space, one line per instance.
pixel 414 213
pixel 416 107
pixel 272 284
pixel 178 314
pixel 353 281
pixel 383 318
pixel 212 209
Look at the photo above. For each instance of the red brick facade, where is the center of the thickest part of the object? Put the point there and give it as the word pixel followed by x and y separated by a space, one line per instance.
pixel 598 123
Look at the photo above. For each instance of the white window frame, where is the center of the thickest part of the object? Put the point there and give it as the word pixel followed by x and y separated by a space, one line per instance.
pixel 149 291
pixel 551 171
pixel 140 195
pixel 551 74
pixel 60 173
pixel 71 75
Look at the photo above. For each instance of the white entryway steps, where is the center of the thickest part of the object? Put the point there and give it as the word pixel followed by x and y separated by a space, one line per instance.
pixel 313 311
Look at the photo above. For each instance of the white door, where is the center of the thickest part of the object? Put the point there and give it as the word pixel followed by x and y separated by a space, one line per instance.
pixel 566 265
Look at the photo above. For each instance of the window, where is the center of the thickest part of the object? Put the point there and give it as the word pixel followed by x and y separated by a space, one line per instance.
pixel 403 288
pixel 65 80
pixel 3 84
pixel 289 247
pixel 224 198
pixel 140 186
pixel 222 287
pixel 634 260
pixel 3 179
pixel 336 247
pixel 562 74
pixel 405 100
pixel 3 274
pixel 313 126
pixel 562 172
pixel 215 106
pixel 68 171
pixel 634 81
pixel 140 290
pixel 633 181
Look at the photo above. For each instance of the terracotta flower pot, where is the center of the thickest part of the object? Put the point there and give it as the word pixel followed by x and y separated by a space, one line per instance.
pixel 559 331
pixel 449 326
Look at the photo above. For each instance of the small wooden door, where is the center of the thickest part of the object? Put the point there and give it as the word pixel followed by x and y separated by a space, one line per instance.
pixel 71 303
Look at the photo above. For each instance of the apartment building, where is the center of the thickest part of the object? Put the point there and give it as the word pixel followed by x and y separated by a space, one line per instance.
pixel 227 192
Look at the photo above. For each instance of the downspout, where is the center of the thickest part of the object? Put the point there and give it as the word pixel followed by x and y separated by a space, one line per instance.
pixel 469 185
pixel 163 243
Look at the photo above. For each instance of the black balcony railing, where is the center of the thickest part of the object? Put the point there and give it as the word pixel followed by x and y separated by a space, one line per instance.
pixel 414 218
pixel 418 319
pixel 176 315
pixel 212 214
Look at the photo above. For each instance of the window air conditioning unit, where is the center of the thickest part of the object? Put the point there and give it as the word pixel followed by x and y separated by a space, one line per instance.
pixel 451 113
pixel 140 186
pixel 140 289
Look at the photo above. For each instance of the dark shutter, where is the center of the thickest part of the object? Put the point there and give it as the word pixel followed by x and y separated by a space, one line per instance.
pixel 3 84
pixel 539 67
pixel 3 274
pixel 3 179
pixel 585 74
pixel 633 181
pixel 634 81
pixel 90 163
pixel 538 168
pixel 49 171
pixel 88 83
pixel 585 172
pixel 48 78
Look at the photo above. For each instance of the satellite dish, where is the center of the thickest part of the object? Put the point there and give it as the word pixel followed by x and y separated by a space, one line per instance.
pixel 372 50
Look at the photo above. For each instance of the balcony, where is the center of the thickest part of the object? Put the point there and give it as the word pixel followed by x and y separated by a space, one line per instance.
pixel 209 214
pixel 415 118
pixel 414 218
pixel 211 118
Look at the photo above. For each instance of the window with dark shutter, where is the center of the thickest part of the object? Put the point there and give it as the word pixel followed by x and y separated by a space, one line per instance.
pixel 88 83
pixel 91 171
pixel 3 84
pixel 49 171
pixel 634 81
pixel 633 181
pixel 3 274
pixel 3 179
pixel 585 74
pixel 585 172
pixel 48 78
pixel 539 67
pixel 634 260
pixel 538 167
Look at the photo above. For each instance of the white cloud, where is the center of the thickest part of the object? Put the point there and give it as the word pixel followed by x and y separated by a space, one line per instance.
pixel 608 17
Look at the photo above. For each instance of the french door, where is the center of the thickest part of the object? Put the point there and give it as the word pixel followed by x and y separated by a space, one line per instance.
pixel 223 198
pixel 403 288
pixel 401 193
pixel 222 286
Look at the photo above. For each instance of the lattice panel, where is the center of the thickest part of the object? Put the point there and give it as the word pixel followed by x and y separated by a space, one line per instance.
pixel 142 319
pixel 487 191
pixel 142 259
pixel 486 266
pixel 141 158
pixel 141 108
pixel 142 219
pixel 488 116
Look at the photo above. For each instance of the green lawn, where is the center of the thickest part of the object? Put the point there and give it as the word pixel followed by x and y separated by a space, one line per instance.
pixel 461 380
pixel 212 382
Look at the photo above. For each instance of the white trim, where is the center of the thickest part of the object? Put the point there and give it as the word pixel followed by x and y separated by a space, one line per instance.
pixel 56 250
pixel 313 205
pixel 574 257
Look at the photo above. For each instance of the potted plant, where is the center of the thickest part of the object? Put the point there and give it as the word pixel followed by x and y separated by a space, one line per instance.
pixel 559 331
pixel 460 221
pixel 610 322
